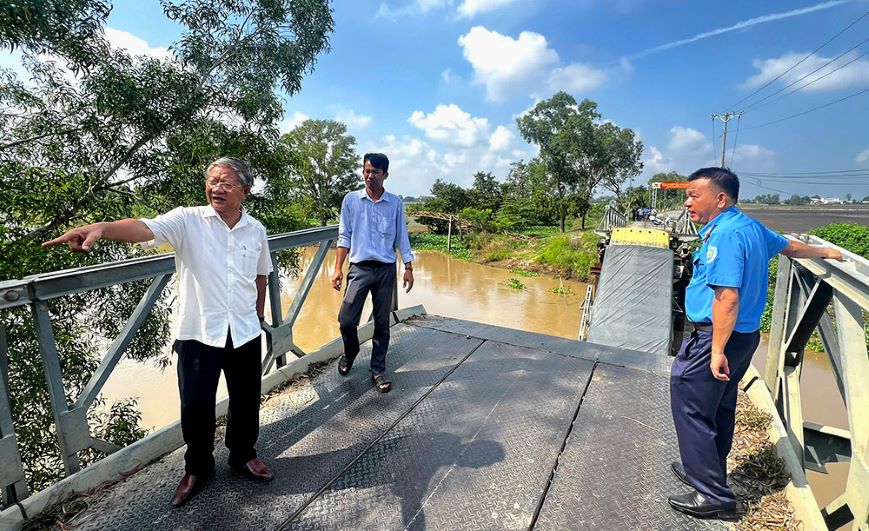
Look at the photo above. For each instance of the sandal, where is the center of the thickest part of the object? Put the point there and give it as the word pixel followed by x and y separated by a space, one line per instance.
pixel 383 385
pixel 344 366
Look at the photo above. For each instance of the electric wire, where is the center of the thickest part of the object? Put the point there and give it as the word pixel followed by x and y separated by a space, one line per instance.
pixel 810 110
pixel 735 140
pixel 756 105
pixel 770 82
pixel 861 170
pixel 714 140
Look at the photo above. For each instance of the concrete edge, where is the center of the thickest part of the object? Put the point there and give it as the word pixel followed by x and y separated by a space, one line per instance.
pixel 797 490
pixel 130 459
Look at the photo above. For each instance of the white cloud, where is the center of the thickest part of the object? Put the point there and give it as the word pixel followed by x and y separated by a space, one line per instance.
pixel 576 78
pixel 855 74
pixel 469 8
pixel 451 125
pixel 688 149
pixel 350 118
pixel 863 156
pixel 501 139
pixel 415 164
pixel 292 121
pixel 506 65
pixel 123 40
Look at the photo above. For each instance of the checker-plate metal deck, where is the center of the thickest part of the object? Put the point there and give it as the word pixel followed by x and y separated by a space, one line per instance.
pixel 486 428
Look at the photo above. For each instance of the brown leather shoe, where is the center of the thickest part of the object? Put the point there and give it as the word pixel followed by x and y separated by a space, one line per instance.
pixel 188 487
pixel 256 470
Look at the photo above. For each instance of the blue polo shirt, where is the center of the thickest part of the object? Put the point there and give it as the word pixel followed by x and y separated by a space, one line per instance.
pixel 735 253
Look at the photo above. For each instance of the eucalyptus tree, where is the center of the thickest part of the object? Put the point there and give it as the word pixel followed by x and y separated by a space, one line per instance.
pixel 322 169
pixel 96 133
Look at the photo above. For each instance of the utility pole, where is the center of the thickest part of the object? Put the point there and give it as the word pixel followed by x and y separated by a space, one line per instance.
pixel 726 117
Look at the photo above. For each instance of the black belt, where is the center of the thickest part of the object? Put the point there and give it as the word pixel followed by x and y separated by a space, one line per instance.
pixel 702 327
pixel 373 263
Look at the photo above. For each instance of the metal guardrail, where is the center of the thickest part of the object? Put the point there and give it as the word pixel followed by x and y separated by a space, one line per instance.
pixel 612 219
pixel 832 298
pixel 70 419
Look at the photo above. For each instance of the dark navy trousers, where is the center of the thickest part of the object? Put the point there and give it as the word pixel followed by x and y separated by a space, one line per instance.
pixel 704 409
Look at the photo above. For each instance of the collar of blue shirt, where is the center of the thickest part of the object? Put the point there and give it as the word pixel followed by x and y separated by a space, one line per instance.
pixel 363 194
pixel 723 215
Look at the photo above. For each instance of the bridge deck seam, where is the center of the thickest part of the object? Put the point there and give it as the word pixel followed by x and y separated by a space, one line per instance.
pixel 285 524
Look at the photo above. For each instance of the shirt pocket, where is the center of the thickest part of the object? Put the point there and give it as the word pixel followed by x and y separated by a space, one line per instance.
pixel 386 227
pixel 248 259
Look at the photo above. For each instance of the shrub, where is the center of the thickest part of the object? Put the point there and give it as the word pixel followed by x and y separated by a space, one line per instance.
pixel 850 236
pixel 570 256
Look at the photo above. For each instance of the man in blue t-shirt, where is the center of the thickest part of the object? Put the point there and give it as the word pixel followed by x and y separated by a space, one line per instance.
pixel 724 302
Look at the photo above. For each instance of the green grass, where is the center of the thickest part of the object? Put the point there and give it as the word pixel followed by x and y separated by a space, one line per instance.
pixel 573 256
pixel 515 283
pixel 524 273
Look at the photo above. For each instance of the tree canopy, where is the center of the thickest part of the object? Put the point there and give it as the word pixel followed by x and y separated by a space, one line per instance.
pixel 322 167
pixel 95 133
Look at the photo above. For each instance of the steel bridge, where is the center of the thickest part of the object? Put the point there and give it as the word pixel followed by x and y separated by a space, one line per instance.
pixel 486 427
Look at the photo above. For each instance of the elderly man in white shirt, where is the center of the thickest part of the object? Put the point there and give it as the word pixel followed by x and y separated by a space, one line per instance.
pixel 222 261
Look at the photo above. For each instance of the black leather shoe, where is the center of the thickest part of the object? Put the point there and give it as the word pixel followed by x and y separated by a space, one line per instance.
pixel 679 472
pixel 695 504
pixel 189 486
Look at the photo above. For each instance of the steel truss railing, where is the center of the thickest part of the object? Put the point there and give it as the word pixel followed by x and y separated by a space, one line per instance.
pixel 70 419
pixel 832 298
pixel 612 219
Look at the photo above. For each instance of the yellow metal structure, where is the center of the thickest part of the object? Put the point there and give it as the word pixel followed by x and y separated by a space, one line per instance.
pixel 640 236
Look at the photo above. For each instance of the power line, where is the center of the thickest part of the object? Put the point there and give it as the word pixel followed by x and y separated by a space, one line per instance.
pixel 756 104
pixel 810 172
pixel 735 140
pixel 799 178
pixel 810 110
pixel 714 148
pixel 770 82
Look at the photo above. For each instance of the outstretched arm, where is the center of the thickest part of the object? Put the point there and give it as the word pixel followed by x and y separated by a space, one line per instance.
pixel 797 249
pixel 81 239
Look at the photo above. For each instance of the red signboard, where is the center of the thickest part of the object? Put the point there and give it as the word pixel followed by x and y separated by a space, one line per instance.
pixel 670 185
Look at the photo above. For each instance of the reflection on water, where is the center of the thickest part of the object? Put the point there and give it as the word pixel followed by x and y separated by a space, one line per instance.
pixel 445 286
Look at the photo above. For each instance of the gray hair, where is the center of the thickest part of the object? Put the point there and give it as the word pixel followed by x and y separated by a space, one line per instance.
pixel 241 168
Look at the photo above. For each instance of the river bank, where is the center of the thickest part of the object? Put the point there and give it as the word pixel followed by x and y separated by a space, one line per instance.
pixel 538 250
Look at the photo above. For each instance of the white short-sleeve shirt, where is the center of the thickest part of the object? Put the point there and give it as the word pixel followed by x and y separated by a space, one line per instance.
pixel 217 269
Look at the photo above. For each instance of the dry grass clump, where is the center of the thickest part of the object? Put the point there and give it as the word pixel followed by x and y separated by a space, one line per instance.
pixel 758 475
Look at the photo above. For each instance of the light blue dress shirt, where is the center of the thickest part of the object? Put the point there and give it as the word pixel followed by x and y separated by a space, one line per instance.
pixel 735 253
pixel 372 230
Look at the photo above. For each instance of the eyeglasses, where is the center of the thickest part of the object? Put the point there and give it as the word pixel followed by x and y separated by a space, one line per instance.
pixel 227 186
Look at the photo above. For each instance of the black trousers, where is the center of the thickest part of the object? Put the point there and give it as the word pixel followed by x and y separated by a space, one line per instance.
pixel 362 278
pixel 199 369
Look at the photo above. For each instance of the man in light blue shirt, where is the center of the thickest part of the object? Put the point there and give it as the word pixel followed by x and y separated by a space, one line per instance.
pixel 724 302
pixel 371 226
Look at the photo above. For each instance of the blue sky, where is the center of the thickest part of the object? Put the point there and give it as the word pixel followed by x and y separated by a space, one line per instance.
pixel 438 84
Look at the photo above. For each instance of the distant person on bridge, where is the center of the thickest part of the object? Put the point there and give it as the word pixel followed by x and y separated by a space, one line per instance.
pixel 724 302
pixel 222 260
pixel 371 226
